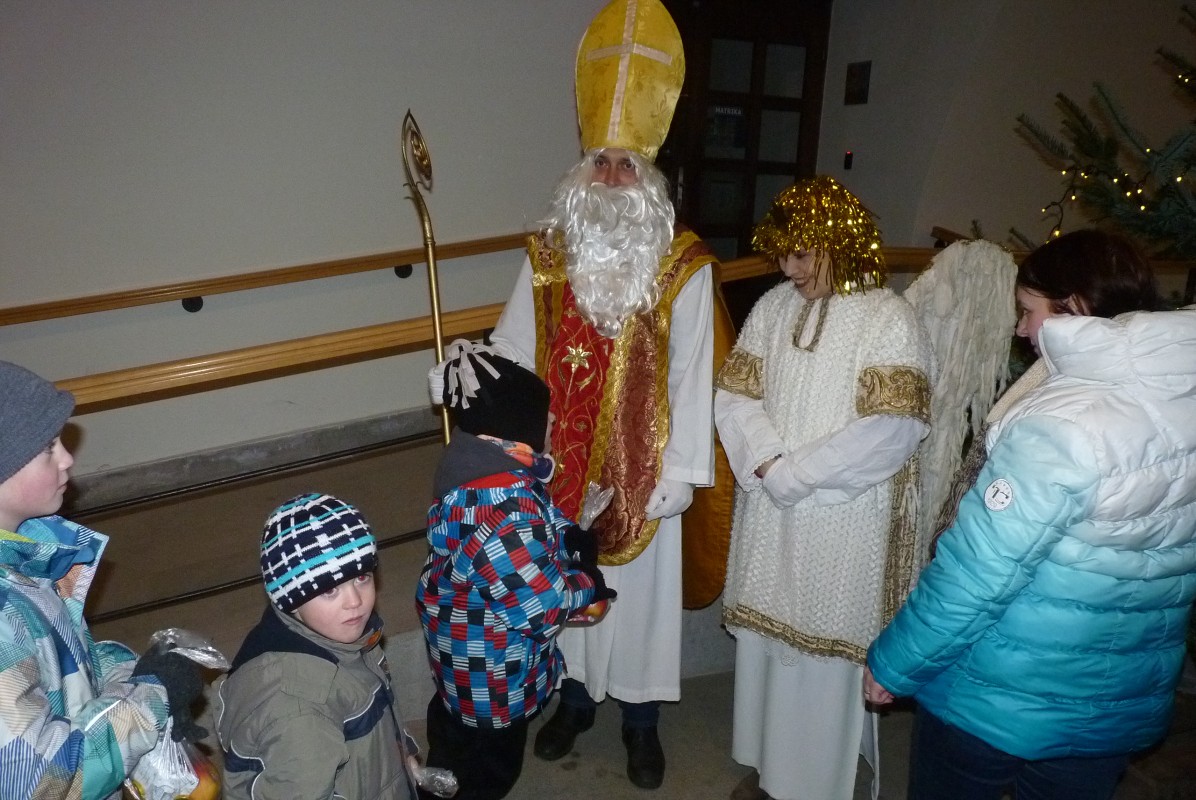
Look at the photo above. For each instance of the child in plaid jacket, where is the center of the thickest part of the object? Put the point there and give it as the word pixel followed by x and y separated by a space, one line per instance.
pixel 76 715
pixel 504 572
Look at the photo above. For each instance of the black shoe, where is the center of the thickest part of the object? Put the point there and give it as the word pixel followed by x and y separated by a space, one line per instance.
pixel 645 757
pixel 556 738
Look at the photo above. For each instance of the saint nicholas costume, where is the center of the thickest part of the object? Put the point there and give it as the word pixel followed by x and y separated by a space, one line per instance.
pixel 629 411
pixel 634 409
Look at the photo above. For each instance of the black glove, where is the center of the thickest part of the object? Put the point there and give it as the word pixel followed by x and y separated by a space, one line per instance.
pixel 601 592
pixel 582 545
pixel 181 677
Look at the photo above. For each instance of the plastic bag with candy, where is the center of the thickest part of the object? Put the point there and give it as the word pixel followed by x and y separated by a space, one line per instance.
pixel 434 780
pixel 190 644
pixel 597 499
pixel 431 780
pixel 207 773
pixel 163 773
pixel 174 771
pixel 178 770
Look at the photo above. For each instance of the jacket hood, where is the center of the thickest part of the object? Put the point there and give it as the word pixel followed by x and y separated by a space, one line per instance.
pixel 47 547
pixel 279 632
pixel 467 458
pixel 1151 355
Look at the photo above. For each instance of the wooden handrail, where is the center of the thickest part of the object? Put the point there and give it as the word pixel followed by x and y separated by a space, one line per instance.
pixel 252 280
pixel 900 259
pixel 172 378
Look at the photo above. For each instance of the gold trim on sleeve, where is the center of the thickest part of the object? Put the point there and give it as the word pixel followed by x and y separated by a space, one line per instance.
pixel 897 391
pixel 742 373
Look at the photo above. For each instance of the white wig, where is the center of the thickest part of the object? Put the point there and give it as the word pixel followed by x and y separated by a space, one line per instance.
pixel 613 238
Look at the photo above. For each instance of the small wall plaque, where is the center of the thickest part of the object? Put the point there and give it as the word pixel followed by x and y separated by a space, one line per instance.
pixel 856 91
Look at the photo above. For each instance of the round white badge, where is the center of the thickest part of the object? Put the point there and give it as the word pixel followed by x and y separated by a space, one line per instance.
pixel 998 495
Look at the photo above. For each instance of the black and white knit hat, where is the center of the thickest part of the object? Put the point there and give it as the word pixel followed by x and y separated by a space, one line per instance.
pixel 312 543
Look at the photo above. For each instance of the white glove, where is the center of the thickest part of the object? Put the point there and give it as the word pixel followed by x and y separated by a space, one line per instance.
pixel 787 483
pixel 436 384
pixel 669 499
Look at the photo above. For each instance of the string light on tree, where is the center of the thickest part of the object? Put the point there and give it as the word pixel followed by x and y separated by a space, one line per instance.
pixel 1098 165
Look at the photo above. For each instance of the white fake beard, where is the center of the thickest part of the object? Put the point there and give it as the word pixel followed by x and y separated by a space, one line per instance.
pixel 614 239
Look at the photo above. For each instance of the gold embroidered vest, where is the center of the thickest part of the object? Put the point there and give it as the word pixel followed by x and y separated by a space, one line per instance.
pixel 610 396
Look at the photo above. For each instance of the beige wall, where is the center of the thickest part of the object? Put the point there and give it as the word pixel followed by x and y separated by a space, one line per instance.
pixel 147 141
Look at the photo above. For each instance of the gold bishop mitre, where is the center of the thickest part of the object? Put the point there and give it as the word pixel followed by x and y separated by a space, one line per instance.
pixel 630 67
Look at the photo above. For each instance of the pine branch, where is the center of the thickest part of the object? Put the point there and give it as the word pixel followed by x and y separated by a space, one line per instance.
pixel 1021 239
pixel 1037 135
pixel 1180 64
pixel 1113 176
pixel 1114 110
pixel 1083 133
pixel 1183 70
pixel 1174 158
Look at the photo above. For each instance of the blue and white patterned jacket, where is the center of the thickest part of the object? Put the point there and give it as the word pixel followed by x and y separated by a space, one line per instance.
pixel 72 722
pixel 495 589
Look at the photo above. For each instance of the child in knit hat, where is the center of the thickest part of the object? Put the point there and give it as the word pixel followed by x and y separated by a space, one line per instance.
pixel 504 572
pixel 77 715
pixel 307 709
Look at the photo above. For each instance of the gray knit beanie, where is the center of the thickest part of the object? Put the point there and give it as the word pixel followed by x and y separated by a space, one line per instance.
pixel 32 413
pixel 312 543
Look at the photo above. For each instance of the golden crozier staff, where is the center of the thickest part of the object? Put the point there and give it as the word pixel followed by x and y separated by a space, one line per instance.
pixel 414 148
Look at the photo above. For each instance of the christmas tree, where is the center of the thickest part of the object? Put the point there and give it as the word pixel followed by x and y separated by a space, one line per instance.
pixel 1115 177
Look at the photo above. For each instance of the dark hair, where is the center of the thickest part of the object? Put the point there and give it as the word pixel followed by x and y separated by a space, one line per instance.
pixel 1104 270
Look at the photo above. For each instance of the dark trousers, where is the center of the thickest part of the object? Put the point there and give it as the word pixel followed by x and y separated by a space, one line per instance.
pixel 635 715
pixel 947 763
pixel 487 762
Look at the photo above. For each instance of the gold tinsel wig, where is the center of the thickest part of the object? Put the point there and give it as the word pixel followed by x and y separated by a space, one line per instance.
pixel 820 214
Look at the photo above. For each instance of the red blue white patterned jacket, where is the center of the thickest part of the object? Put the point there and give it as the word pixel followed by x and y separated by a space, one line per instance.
pixel 496 588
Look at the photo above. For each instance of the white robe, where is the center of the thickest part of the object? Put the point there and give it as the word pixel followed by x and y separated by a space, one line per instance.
pixel 801 721
pixel 634 653
pixel 799 718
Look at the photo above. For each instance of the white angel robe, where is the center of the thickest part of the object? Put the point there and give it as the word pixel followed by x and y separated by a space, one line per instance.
pixel 839 384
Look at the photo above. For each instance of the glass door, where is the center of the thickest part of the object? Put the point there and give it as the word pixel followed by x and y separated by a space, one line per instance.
pixel 747 122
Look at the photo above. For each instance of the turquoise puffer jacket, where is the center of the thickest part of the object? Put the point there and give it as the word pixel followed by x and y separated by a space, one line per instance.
pixel 1051 622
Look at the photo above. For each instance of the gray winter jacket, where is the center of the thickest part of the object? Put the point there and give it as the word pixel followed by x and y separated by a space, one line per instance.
pixel 301 716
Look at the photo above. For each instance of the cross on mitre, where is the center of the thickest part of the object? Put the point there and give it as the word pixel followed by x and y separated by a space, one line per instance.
pixel 630 67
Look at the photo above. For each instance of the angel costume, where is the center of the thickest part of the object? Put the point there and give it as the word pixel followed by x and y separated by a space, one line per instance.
pixel 837 386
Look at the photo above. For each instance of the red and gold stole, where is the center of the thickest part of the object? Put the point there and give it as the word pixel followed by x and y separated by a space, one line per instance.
pixel 610 396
